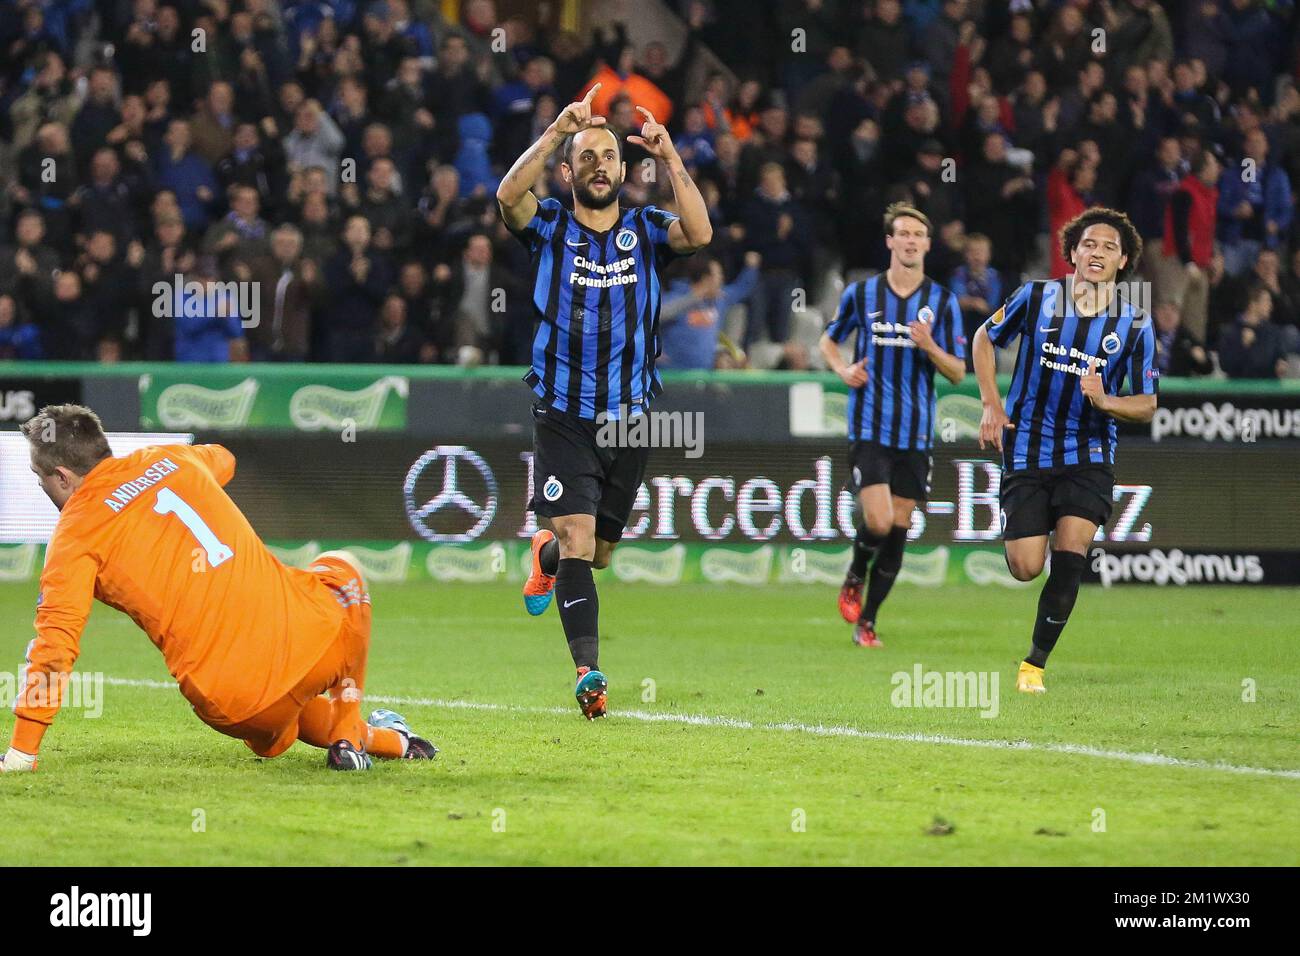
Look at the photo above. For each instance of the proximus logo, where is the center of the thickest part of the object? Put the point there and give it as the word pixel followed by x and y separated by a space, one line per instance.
pixel 1177 568
pixel 1225 422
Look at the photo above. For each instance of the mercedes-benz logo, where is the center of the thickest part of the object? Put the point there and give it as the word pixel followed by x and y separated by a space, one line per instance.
pixel 450 496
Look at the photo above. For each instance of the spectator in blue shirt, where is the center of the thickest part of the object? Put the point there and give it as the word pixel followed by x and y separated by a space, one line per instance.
pixel 19 338
pixel 691 318
pixel 977 286
pixel 414 32
pixel 695 143
pixel 207 323
pixel 188 175
pixel 1254 205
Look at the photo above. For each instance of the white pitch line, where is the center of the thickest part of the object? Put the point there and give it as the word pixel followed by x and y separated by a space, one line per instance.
pixel 817 730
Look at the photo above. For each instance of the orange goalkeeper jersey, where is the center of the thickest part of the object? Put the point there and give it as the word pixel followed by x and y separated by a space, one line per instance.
pixel 154 535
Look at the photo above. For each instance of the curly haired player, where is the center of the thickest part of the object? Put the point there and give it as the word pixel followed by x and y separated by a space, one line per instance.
pixel 1080 339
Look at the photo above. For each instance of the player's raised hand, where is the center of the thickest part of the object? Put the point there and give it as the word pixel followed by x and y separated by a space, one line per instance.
pixel 576 117
pixel 855 375
pixel 993 423
pixel 654 136
pixel 1091 385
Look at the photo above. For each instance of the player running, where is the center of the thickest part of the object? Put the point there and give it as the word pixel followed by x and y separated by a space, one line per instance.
pixel 253 644
pixel 596 292
pixel 908 325
pixel 1079 341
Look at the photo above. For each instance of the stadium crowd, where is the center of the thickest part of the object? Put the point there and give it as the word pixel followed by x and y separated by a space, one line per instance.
pixel 343 155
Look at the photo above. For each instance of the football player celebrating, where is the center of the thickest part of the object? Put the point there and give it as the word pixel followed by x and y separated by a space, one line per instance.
pixel 596 297
pixel 255 646
pixel 907 327
pixel 1080 340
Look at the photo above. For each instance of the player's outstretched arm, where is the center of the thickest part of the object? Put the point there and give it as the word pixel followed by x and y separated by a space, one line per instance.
pixel 67 591
pixel 692 230
pixel 994 420
pixel 515 194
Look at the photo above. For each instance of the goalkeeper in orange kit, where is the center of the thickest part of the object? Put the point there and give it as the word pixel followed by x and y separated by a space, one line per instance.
pixel 265 653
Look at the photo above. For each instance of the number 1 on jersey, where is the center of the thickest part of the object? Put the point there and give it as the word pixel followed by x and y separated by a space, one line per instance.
pixel 170 503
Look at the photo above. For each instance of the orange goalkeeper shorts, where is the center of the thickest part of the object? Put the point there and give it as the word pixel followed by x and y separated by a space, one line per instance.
pixel 340 669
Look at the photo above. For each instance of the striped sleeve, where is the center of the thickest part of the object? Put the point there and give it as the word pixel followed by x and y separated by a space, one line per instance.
pixel 657 221
pixel 846 319
pixel 542 226
pixel 1009 321
pixel 1143 376
pixel 952 339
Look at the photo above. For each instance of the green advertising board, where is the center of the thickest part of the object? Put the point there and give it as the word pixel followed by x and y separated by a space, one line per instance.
pixel 386 562
pixel 238 398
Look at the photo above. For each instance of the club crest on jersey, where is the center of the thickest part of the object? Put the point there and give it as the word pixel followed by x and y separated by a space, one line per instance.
pixel 625 241
pixel 552 490
pixel 1111 343
pixel 925 314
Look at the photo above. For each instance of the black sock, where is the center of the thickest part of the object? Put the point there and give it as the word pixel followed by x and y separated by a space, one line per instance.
pixel 549 556
pixel 888 562
pixel 1055 604
pixel 864 546
pixel 575 593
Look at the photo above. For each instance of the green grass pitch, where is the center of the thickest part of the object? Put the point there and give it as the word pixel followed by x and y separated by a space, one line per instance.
pixel 798 756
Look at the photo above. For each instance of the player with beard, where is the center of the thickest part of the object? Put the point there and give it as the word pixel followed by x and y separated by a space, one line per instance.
pixel 1079 340
pixel 907 326
pixel 596 295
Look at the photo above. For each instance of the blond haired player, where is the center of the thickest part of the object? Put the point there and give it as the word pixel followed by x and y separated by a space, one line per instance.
pixel 254 645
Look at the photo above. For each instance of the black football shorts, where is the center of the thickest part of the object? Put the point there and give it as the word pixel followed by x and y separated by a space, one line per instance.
pixel 1033 501
pixel 907 472
pixel 574 474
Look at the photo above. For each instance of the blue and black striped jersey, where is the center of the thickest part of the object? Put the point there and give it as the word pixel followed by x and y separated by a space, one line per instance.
pixel 1055 425
pixel 597 300
pixel 896 406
